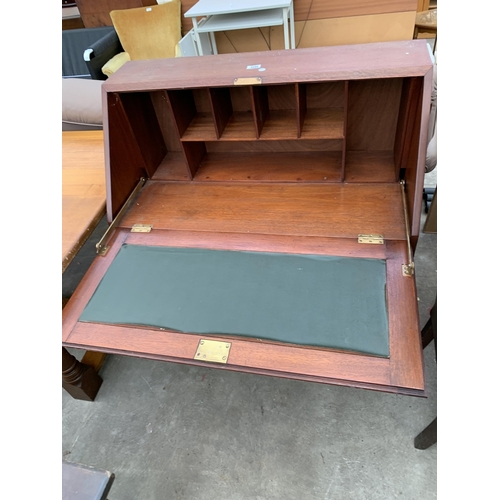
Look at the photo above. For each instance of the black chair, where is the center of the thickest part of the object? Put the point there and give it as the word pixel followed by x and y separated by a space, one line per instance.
pixel 100 52
pixel 74 43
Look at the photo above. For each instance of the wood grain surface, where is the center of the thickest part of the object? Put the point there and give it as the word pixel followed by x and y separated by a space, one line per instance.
pixel 83 189
pixel 402 372
pixel 328 210
pixel 352 62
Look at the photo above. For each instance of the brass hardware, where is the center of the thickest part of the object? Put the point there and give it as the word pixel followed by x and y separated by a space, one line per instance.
pixel 141 228
pixel 408 269
pixel 252 80
pixel 213 350
pixel 102 246
pixel 373 239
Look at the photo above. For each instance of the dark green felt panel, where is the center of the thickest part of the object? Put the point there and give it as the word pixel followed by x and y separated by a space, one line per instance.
pixel 312 300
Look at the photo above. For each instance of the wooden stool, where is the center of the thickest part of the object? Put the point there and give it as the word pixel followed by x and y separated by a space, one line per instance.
pixel 426 22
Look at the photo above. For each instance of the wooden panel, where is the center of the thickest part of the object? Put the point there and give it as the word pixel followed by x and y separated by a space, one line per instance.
pixel 292 167
pixel 406 352
pixel 183 108
pixel 407 117
pixel 124 162
pixel 371 121
pixel 95 13
pixel 194 153
pixel 222 109
pixel 322 32
pixel 83 189
pixel 165 120
pixel 326 123
pixel 325 95
pixel 142 117
pixel 258 243
pixel 274 146
pixel 370 166
pixel 328 210
pixel 407 58
pixel 411 144
pixel 301 106
pixel 254 356
pixel 344 142
pixel 401 373
pixel 260 107
pixel 323 9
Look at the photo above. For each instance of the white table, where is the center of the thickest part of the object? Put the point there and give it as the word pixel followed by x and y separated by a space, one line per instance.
pixel 224 15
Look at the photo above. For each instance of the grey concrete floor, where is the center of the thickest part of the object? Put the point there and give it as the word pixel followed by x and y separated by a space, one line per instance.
pixel 176 432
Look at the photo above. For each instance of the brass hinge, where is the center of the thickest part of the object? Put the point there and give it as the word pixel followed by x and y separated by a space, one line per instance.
pixel 213 350
pixel 372 239
pixel 141 228
pixel 409 269
pixel 102 246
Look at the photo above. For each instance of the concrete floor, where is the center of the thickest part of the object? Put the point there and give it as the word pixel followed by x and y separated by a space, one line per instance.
pixel 173 432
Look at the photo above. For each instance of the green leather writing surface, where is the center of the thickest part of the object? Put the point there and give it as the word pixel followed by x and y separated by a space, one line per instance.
pixel 314 300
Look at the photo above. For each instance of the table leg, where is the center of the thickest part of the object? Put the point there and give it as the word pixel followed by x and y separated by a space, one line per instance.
pixel 292 26
pixel 81 381
pixel 285 27
pixel 427 437
pixel 214 45
pixel 197 36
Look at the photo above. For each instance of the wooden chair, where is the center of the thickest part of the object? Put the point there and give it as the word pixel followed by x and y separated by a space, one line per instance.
pixel 145 33
pixel 426 22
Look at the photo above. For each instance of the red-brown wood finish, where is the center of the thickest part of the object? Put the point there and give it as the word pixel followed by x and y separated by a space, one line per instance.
pixel 318 64
pixel 303 163
pixel 314 364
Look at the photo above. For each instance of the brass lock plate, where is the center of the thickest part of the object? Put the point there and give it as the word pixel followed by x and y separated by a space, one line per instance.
pixel 214 351
pixel 252 80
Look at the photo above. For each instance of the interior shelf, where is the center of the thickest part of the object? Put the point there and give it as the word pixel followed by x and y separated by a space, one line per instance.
pixel 326 132
pixel 201 128
pixel 285 167
pixel 323 123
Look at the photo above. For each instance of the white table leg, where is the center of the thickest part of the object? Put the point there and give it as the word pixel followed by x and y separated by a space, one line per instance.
pixel 214 45
pixel 197 36
pixel 285 27
pixel 292 25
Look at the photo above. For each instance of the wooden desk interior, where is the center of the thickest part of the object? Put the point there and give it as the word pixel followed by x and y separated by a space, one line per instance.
pixel 299 162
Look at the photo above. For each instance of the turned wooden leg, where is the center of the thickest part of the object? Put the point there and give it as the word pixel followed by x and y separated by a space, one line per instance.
pixel 427 437
pixel 81 381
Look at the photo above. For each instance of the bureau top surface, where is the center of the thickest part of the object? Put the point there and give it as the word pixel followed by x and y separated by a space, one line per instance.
pixel 347 62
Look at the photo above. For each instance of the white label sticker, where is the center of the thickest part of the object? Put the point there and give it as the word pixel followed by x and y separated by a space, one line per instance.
pixel 254 66
pixel 262 69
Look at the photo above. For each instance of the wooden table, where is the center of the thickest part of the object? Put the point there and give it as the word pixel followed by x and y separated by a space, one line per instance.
pixel 83 189
pixel 83 206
